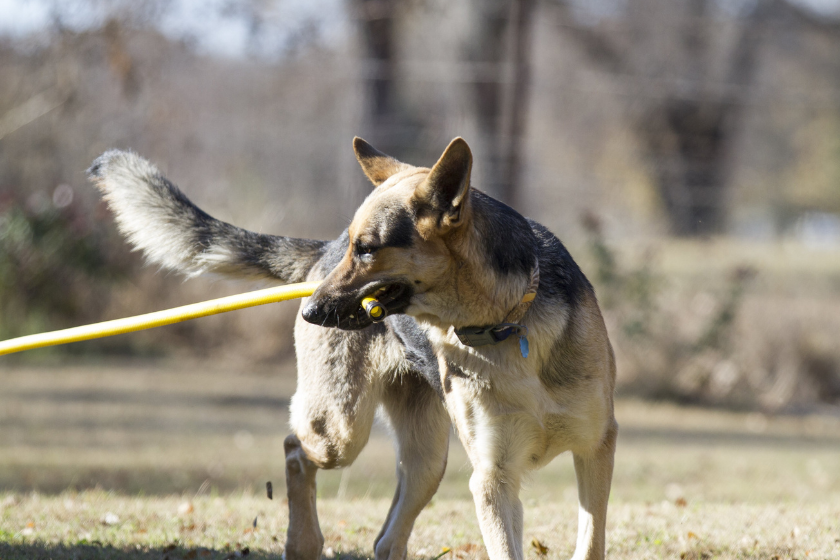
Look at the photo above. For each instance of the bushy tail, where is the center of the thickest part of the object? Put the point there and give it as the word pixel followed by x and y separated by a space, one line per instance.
pixel 173 232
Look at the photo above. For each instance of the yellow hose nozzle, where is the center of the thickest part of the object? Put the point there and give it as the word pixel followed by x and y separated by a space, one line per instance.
pixel 375 310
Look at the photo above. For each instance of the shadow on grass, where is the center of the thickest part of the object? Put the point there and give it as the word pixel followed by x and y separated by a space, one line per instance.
pixel 46 551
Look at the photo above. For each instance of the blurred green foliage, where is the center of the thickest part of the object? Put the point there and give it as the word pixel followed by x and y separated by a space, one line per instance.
pixel 633 293
pixel 56 268
pixel 664 358
pixel 634 290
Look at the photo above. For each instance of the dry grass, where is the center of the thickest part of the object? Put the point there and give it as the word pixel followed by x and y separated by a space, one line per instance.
pixel 97 524
pixel 78 443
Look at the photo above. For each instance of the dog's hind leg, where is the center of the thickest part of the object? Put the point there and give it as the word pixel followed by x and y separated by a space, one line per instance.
pixel 421 425
pixel 331 415
pixel 594 476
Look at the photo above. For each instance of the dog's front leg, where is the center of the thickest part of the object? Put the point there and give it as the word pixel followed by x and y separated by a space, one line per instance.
pixel 498 446
pixel 594 476
pixel 332 413
pixel 496 494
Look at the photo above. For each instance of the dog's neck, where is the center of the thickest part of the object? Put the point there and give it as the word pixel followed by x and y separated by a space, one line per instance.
pixel 493 258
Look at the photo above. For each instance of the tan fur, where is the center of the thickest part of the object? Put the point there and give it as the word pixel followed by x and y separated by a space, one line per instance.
pixel 508 417
pixel 377 166
pixel 450 257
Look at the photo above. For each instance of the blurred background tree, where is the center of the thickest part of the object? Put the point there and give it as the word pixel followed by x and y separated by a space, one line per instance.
pixel 698 62
pixel 698 138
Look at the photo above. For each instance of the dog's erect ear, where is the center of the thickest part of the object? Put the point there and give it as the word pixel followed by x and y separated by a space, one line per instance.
pixel 376 165
pixel 444 193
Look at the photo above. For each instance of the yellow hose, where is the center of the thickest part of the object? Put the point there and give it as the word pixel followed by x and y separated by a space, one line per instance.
pixel 159 318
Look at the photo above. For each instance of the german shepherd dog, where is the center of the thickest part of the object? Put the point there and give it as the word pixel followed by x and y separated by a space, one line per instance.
pixel 490 325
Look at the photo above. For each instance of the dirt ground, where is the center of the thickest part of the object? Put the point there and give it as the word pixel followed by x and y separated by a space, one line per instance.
pixel 156 460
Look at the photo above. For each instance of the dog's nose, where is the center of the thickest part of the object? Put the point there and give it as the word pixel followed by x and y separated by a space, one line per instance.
pixel 312 313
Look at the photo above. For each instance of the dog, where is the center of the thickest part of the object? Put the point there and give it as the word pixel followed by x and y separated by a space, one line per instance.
pixel 491 327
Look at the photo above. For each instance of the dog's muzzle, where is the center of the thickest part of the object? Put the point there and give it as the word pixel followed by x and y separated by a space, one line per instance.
pixel 357 311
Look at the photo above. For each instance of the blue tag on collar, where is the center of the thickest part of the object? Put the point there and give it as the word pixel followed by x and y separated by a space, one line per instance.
pixel 523 345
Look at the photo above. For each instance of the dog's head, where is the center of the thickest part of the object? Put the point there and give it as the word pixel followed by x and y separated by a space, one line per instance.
pixel 399 250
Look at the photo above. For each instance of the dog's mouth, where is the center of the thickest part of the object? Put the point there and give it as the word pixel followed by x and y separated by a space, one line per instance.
pixel 347 312
pixel 387 294
pixel 394 298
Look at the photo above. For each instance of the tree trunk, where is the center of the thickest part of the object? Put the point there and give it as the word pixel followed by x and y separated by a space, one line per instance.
pixel 690 139
pixel 519 100
pixel 688 134
pixel 485 51
pixel 686 142
pixel 376 21
pixel 501 102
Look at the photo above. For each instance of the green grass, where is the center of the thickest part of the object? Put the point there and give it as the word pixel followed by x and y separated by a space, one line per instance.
pixel 78 443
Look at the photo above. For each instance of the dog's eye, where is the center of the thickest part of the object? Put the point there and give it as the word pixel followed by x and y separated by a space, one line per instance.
pixel 365 250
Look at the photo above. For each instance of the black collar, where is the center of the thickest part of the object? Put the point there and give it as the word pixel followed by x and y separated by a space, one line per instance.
pixel 494 334
pixel 484 336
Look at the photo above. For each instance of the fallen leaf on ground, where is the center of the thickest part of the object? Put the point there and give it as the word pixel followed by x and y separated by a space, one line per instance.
pixel 541 549
pixel 469 548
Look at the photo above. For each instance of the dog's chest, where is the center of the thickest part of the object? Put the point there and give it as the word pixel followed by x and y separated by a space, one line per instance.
pixel 483 371
pixel 497 396
pixel 488 391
